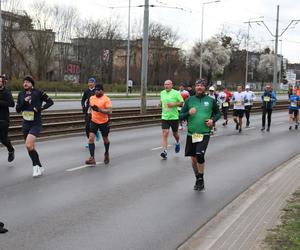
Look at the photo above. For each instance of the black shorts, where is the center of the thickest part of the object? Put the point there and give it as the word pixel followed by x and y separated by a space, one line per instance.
pixel 192 149
pixel 103 128
pixel 166 124
pixel 33 128
pixel 238 113
pixel 294 112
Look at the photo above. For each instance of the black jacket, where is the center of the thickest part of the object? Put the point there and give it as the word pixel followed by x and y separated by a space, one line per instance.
pixel 6 101
pixel 85 104
pixel 37 97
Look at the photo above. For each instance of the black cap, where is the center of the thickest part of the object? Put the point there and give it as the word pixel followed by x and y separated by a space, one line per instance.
pixel 99 87
pixel 29 79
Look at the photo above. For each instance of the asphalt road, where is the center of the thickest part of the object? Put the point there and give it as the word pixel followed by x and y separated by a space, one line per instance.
pixel 137 202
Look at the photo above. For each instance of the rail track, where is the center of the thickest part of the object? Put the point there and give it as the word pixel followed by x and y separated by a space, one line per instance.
pixel 72 122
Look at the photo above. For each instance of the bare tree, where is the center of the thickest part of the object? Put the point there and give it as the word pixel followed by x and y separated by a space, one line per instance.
pixel 95 45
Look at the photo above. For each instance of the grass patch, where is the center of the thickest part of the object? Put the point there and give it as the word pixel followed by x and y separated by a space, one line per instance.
pixel 286 235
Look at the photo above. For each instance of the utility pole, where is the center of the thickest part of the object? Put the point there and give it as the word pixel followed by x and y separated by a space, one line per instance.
pixel 275 83
pixel 128 49
pixel 144 72
pixel 0 39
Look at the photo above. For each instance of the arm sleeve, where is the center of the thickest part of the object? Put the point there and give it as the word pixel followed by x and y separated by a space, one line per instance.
pixel 9 100
pixel 83 99
pixel 20 103
pixel 48 101
pixel 216 114
pixel 184 112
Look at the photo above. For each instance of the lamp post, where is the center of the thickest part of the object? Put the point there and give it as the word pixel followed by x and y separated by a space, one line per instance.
pixel 0 39
pixel 201 45
pixel 247 45
pixel 128 49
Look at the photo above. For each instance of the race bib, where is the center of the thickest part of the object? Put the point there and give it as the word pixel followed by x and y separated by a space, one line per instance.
pixel 225 104
pixel 28 115
pixel 197 138
pixel 267 98
pixel 294 104
pixel 238 103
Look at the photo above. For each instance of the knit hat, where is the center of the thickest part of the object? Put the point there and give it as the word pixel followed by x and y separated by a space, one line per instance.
pixel 29 79
pixel 92 79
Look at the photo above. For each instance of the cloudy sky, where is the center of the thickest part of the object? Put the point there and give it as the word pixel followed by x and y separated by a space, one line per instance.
pixel 185 18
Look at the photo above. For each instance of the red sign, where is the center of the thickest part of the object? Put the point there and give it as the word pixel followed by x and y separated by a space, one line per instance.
pixel 72 68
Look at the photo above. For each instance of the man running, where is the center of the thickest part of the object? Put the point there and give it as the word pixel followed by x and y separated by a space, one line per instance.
pixel 86 106
pixel 30 103
pixel 249 99
pixel 224 102
pixel 201 112
pixel 238 100
pixel 185 94
pixel 268 101
pixel 101 109
pixel 6 101
pixel 170 100
pixel 294 110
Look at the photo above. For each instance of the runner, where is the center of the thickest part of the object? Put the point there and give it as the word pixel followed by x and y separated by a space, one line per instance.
pixel 250 97
pixel 85 104
pixel 224 102
pixel 6 101
pixel 201 112
pixel 170 100
pixel 101 109
pixel 30 103
pixel 268 101
pixel 294 110
pixel 185 94
pixel 238 100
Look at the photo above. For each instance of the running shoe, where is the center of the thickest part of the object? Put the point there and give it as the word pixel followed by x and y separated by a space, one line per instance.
pixel 11 156
pixel 199 185
pixel 106 158
pixel 163 154
pixel 91 161
pixel 177 148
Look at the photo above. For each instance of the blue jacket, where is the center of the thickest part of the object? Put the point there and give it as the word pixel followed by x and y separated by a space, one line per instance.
pixel 268 100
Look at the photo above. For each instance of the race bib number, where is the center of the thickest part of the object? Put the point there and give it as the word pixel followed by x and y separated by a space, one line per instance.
pixel 28 115
pixel 225 104
pixel 294 104
pixel 197 138
pixel 267 98
pixel 238 103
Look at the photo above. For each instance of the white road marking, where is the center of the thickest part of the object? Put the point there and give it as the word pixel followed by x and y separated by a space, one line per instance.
pixel 160 147
pixel 81 167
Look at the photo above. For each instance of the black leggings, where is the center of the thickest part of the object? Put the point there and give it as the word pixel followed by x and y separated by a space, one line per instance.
pixel 87 124
pixel 4 137
pixel 269 113
pixel 225 112
pixel 247 112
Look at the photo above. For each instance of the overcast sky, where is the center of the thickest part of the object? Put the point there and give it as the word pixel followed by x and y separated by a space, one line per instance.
pixel 187 22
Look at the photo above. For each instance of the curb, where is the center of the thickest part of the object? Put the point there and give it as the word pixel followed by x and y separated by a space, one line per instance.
pixel 243 223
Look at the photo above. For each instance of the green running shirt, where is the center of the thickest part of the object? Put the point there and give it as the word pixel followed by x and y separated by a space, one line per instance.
pixel 166 97
pixel 207 108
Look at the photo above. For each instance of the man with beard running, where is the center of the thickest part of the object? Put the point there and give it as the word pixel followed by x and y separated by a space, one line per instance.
pixel 201 112
pixel 30 103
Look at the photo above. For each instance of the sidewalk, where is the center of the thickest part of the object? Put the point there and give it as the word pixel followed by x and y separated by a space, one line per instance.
pixel 243 223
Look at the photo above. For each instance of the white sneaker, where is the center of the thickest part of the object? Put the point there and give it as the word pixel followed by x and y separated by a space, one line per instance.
pixel 42 169
pixel 36 171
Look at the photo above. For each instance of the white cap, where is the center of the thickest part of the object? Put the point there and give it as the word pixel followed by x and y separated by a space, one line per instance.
pixel 247 87
pixel 211 88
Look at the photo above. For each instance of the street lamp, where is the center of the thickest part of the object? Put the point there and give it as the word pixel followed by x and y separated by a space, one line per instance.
pixel 201 45
pixel 128 49
pixel 247 44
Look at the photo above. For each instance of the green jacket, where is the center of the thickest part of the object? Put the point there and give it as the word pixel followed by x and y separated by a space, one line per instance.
pixel 206 107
